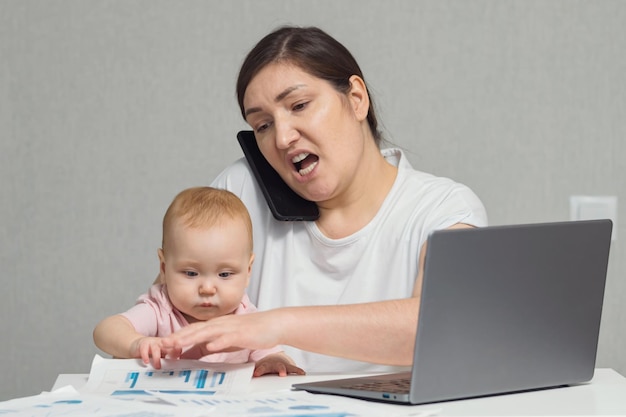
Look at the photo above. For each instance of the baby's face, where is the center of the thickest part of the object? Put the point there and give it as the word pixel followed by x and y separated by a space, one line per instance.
pixel 207 270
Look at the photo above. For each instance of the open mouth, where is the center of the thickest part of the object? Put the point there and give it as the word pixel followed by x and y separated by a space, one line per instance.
pixel 304 163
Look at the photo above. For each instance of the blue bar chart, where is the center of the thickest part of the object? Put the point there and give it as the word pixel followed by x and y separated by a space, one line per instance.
pixel 180 381
pixel 129 378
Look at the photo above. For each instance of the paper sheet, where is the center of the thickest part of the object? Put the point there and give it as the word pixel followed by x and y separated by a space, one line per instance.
pixel 67 402
pixel 189 388
pixel 131 379
pixel 291 404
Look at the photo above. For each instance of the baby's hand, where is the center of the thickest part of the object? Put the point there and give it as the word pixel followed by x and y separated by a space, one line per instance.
pixel 278 363
pixel 148 348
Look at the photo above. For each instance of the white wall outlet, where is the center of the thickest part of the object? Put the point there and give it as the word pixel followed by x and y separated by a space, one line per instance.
pixel 588 207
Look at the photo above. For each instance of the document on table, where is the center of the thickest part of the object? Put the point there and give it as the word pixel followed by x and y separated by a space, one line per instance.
pixel 292 404
pixel 67 402
pixel 185 388
pixel 130 378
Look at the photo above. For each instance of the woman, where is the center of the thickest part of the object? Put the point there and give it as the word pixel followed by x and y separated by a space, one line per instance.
pixel 342 293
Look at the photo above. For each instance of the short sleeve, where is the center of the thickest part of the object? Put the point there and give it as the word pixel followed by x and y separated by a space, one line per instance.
pixel 143 318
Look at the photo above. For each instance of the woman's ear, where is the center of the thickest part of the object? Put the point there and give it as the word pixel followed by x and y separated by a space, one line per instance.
pixel 359 98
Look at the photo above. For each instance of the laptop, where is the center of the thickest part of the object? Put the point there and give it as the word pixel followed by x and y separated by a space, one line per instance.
pixel 504 309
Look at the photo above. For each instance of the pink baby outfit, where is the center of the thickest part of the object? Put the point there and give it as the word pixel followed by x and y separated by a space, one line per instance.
pixel 154 315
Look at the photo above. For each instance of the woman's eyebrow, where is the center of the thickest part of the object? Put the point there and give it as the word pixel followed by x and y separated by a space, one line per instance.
pixel 287 91
pixel 277 99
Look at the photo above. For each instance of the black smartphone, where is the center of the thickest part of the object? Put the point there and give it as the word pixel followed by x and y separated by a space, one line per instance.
pixel 284 203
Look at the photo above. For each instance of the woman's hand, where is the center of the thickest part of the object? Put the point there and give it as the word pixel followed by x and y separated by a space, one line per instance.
pixel 278 363
pixel 260 330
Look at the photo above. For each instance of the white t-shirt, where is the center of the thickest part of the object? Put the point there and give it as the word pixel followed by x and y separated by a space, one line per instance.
pixel 297 265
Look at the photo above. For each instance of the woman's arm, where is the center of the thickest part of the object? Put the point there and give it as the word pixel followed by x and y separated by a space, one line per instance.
pixel 378 332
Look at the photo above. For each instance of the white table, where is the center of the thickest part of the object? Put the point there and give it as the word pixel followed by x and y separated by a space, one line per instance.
pixel 605 394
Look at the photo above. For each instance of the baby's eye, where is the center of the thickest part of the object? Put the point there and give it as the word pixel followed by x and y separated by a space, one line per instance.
pixel 191 273
pixel 224 274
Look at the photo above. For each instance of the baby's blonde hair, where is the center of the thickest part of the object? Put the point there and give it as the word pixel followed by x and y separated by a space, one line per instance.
pixel 204 207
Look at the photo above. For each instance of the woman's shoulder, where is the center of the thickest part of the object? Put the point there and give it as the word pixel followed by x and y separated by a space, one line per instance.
pixel 411 177
pixel 421 192
pixel 238 172
pixel 239 179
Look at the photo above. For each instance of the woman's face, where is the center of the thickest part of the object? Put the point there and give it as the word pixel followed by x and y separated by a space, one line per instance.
pixel 313 135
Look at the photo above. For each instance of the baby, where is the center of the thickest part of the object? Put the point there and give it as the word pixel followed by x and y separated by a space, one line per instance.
pixel 205 264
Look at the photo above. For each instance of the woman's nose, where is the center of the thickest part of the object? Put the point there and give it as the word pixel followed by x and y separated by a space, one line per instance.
pixel 286 135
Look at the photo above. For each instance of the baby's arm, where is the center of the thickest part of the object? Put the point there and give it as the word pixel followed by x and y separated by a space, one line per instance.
pixel 117 336
pixel 277 363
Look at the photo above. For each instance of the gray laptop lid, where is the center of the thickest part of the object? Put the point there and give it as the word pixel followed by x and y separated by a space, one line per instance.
pixel 505 309
pixel 510 308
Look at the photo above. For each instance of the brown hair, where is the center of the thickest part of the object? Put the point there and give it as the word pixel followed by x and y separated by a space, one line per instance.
pixel 205 207
pixel 312 50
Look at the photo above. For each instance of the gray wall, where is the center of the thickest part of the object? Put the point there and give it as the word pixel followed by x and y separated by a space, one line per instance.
pixel 109 108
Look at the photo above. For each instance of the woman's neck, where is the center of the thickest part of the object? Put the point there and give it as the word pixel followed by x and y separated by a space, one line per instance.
pixel 358 204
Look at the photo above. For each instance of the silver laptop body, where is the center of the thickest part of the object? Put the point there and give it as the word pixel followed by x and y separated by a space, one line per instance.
pixel 504 309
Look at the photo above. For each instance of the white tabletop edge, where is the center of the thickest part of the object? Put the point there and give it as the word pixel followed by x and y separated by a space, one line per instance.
pixel 603 395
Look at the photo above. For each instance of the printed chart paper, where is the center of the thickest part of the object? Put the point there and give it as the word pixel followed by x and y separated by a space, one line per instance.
pixel 130 378
pixel 188 388
pixel 291 404
pixel 67 402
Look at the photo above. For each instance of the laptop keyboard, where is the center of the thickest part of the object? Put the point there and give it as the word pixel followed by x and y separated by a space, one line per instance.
pixel 394 386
